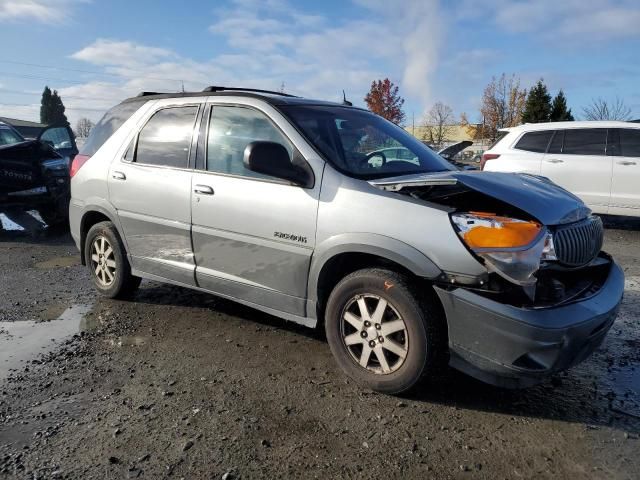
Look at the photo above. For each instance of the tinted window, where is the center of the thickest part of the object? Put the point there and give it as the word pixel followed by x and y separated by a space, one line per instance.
pixel 231 130
pixel 556 143
pixel 535 141
pixel 630 142
pixel 166 138
pixel 8 136
pixel 58 137
pixel 585 141
pixel 107 126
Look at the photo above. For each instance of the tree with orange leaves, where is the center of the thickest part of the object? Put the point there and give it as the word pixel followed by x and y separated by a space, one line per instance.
pixel 383 99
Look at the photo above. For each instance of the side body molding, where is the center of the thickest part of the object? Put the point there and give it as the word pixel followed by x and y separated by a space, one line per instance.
pixel 370 243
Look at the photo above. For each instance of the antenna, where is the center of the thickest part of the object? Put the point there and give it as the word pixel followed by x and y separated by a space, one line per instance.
pixel 345 101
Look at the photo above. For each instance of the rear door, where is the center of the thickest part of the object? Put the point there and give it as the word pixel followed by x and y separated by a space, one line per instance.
pixel 625 186
pixel 527 153
pixel 151 190
pixel 577 160
pixel 253 235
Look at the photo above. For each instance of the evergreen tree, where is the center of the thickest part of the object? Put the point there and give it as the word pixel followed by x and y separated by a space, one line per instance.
pixel 46 106
pixel 52 109
pixel 538 106
pixel 559 110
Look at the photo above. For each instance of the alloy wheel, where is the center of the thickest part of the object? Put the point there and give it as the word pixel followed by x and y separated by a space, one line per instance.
pixel 103 261
pixel 374 333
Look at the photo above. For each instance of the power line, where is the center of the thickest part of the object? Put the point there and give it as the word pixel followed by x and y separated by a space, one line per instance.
pixel 38 106
pixel 73 97
pixel 92 72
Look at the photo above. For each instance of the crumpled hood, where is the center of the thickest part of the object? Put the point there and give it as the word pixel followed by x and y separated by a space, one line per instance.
pixel 538 196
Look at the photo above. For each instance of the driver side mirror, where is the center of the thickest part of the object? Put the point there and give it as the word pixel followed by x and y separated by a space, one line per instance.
pixel 270 158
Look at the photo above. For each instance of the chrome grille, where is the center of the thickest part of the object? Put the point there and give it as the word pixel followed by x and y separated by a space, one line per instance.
pixel 579 243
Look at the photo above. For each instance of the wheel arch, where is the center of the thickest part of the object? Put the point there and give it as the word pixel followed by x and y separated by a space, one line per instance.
pixel 343 254
pixel 92 215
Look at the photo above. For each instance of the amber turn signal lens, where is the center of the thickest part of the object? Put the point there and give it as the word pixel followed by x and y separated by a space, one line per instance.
pixel 502 233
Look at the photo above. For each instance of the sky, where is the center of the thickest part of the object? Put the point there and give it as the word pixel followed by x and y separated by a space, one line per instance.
pixel 98 52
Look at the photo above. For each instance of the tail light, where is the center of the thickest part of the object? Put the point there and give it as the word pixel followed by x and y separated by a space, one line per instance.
pixel 78 161
pixel 486 157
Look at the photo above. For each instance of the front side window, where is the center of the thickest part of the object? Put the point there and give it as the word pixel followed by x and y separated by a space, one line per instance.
pixel 58 137
pixel 231 129
pixel 630 142
pixel 585 141
pixel 8 136
pixel 166 137
pixel 362 144
pixel 535 141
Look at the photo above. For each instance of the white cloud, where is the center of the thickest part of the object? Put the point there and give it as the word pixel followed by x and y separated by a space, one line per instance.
pixel 44 11
pixel 574 21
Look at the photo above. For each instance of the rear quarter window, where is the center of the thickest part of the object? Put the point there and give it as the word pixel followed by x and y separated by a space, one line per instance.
pixel 107 125
pixel 534 141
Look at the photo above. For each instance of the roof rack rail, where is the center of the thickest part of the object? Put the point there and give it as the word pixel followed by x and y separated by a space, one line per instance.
pixel 214 88
pixel 146 94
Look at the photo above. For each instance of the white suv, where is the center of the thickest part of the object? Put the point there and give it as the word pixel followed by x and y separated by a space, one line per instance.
pixel 597 161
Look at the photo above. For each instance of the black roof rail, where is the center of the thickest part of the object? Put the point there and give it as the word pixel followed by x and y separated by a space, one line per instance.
pixel 215 88
pixel 146 94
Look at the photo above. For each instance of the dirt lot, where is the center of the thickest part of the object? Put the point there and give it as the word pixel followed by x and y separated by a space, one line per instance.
pixel 184 385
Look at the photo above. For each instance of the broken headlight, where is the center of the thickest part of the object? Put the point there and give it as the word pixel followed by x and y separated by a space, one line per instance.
pixel 510 247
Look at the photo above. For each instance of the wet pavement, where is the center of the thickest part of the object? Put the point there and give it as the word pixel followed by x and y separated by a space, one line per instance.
pixel 182 384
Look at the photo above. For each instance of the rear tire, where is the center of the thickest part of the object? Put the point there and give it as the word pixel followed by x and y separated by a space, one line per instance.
pixel 383 333
pixel 107 261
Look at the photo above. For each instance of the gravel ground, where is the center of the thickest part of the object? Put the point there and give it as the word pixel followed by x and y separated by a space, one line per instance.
pixel 185 385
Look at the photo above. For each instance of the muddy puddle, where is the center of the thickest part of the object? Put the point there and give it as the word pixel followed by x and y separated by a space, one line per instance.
pixel 59 262
pixel 21 342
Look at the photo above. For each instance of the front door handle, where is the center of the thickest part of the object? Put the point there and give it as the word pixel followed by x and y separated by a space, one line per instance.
pixel 555 160
pixel 203 189
pixel 118 175
pixel 626 162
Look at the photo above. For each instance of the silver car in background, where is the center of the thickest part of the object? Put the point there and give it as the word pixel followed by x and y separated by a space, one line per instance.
pixel 290 206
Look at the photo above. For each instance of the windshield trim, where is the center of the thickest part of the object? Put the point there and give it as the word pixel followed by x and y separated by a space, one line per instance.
pixel 285 108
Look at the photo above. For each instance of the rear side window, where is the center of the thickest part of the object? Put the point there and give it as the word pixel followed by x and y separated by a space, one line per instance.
pixel 585 141
pixel 166 137
pixel 630 142
pixel 535 141
pixel 107 126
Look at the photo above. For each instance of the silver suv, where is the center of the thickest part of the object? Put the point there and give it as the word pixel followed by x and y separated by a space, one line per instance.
pixel 293 207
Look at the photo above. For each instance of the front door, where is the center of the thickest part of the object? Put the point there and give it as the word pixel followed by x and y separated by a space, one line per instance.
pixel 625 186
pixel 151 190
pixel 253 235
pixel 577 161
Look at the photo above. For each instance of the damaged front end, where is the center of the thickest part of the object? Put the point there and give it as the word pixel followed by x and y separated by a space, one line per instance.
pixel 539 243
pixel 549 295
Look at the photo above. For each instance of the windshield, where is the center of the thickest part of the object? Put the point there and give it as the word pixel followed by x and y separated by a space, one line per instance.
pixel 362 144
pixel 8 136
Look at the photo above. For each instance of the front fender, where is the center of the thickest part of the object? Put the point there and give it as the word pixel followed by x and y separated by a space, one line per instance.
pixel 370 243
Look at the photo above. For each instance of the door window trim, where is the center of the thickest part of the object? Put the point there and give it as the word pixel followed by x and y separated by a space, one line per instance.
pixel 194 132
pixel 203 164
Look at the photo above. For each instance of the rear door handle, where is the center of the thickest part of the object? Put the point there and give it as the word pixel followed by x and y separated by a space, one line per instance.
pixel 555 160
pixel 203 189
pixel 118 175
pixel 626 162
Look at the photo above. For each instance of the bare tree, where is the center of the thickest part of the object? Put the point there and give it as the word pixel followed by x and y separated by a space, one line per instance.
pixel 601 109
pixel 83 127
pixel 438 124
pixel 503 103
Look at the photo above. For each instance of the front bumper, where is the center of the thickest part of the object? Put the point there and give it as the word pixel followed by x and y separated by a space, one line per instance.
pixel 514 347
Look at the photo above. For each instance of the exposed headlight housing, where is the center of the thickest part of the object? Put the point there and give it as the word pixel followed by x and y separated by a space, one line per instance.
pixel 510 247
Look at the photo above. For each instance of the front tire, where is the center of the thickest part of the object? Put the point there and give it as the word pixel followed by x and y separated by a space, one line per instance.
pixel 383 333
pixel 109 267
